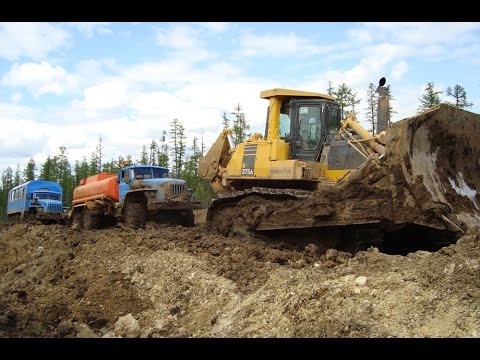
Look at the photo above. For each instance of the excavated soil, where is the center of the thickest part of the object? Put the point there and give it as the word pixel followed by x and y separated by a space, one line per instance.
pixel 184 282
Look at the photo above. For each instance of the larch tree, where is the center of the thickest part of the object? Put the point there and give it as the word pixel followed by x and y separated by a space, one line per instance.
pixel 330 89
pixel 99 152
pixel 430 98
pixel 17 179
pixel 240 126
pixel 391 110
pixel 64 175
pixel 29 171
pixel 459 94
pixel 143 156
pixel 47 170
pixel 225 120
pixel 346 98
pixel 7 185
pixel 372 103
pixel 153 153
pixel 178 137
pixel 162 154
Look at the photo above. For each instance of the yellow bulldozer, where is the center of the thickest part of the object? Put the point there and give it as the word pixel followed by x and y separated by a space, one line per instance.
pixel 315 171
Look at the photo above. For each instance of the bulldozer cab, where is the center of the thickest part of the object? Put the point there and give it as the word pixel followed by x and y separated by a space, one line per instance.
pixel 306 124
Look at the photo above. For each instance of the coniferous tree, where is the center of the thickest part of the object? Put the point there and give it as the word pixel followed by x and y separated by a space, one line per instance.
pixel 391 110
pixel 203 190
pixel 330 90
pixel 162 155
pixel 178 140
pixel 29 172
pixel 143 156
pixel 459 95
pixel 99 153
pixel 7 185
pixel 64 175
pixel 225 120
pixel 182 137
pixel 17 180
pixel 82 170
pixel 47 171
pixel 240 126
pixel 372 104
pixel 430 98
pixel 153 153
pixel 346 98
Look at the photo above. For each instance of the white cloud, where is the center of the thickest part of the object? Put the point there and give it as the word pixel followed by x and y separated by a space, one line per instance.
pixel 106 96
pixel 34 40
pixel 399 69
pixel 16 97
pixel 360 36
pixel 169 72
pixel 15 144
pixel 40 78
pixel 215 27
pixel 90 29
pixel 434 41
pixel 279 45
pixel 423 33
pixel 183 41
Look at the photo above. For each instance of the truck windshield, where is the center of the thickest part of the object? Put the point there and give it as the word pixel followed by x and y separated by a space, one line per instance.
pixel 150 173
pixel 47 196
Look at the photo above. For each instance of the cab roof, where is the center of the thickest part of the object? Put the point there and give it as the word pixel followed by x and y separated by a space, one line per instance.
pixel 266 94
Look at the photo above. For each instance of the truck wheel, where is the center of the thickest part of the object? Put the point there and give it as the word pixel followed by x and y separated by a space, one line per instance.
pixel 31 217
pixel 188 219
pixel 77 220
pixel 90 221
pixel 135 215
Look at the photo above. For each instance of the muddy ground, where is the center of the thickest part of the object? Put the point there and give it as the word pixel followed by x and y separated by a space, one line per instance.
pixel 184 282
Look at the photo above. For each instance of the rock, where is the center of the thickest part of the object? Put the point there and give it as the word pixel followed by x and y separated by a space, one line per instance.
pixel 127 326
pixel 311 249
pixel 331 254
pixel 449 269
pixel 361 281
pixel 84 331
pixel 66 327
pixel 111 334
pixel 214 251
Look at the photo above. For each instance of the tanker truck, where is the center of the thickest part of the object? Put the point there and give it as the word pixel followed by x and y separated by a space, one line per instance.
pixel 136 194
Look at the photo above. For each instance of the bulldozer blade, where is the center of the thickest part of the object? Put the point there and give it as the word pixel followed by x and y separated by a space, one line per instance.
pixel 429 176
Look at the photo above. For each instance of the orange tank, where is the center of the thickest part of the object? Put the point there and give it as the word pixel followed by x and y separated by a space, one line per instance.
pixel 103 185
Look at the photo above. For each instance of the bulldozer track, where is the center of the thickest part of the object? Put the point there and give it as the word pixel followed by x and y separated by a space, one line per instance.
pixel 266 190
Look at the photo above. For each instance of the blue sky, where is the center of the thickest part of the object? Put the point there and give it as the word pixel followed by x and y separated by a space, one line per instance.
pixel 68 83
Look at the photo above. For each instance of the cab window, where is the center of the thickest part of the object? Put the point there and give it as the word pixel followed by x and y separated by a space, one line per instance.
pixel 309 127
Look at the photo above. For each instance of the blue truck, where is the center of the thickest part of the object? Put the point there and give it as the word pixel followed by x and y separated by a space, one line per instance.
pixel 136 194
pixel 36 200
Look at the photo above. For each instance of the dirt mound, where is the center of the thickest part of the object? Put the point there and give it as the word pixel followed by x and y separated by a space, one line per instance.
pixel 184 282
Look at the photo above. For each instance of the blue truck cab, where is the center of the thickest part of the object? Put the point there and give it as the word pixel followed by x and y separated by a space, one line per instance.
pixel 35 200
pixel 147 191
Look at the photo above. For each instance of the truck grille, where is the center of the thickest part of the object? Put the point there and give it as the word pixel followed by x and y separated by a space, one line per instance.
pixel 177 189
pixel 54 208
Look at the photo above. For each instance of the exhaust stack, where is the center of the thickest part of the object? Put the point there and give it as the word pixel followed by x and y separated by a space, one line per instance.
pixel 383 106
